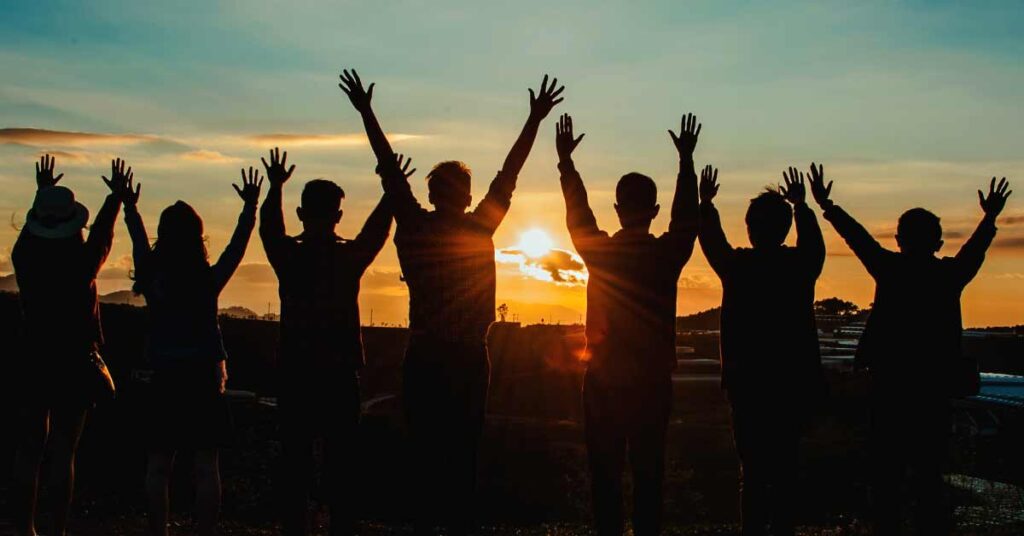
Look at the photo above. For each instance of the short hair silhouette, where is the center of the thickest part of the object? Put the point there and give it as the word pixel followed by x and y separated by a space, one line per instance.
pixel 180 247
pixel 769 218
pixel 321 199
pixel 636 191
pixel 919 231
pixel 450 184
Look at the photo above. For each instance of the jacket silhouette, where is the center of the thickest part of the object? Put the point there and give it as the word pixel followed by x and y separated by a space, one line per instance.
pixel 769 339
pixel 771 364
pixel 913 335
pixel 911 347
pixel 57 284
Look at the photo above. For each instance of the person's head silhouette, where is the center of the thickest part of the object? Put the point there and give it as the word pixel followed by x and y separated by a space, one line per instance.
pixel 180 234
pixel 919 232
pixel 769 218
pixel 179 253
pixel 636 201
pixel 321 210
pixel 449 187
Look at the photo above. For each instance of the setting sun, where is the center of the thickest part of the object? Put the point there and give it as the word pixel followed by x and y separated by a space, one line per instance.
pixel 535 243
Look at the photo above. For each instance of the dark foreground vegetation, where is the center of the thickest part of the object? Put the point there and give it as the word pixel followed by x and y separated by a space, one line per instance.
pixel 533 476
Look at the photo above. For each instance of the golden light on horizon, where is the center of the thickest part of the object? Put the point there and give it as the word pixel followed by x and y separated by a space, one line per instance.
pixel 535 243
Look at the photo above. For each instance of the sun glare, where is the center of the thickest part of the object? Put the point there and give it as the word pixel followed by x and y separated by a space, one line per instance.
pixel 535 243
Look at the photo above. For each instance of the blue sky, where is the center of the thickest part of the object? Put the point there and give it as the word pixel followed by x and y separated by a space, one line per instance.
pixel 911 103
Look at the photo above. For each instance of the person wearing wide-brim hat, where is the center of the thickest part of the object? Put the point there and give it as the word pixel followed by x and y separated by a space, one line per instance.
pixel 55 265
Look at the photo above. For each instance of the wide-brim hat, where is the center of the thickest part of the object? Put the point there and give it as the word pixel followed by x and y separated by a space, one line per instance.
pixel 56 214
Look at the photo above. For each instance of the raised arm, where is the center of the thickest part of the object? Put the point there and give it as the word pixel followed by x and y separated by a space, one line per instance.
pixel 491 211
pixel 136 228
pixel 394 177
pixel 713 241
pixel 809 241
pixel 871 254
pixel 972 253
pixel 101 233
pixel 272 230
pixel 235 250
pixel 360 98
pixel 579 217
pixel 682 229
pixel 374 233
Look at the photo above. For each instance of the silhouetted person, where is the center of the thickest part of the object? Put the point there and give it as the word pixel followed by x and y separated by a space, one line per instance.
pixel 188 410
pixel 321 349
pixel 56 270
pixel 771 365
pixel 631 335
pixel 911 347
pixel 447 259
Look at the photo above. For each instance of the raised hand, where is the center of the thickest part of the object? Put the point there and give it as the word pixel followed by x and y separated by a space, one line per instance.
pixel 119 177
pixel 686 140
pixel 132 191
pixel 353 87
pixel 708 184
pixel 565 143
pixel 44 172
pixel 819 189
pixel 793 190
pixel 250 190
pixel 276 171
pixel 995 201
pixel 541 105
pixel 399 165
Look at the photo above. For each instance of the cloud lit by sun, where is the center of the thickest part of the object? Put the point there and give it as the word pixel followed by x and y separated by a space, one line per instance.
pixel 537 258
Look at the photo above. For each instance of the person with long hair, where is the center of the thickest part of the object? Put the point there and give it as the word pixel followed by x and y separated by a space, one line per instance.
pixel 185 348
pixel 56 268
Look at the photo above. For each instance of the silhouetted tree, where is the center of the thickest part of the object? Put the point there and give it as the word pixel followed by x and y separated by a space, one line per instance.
pixel 503 311
pixel 836 307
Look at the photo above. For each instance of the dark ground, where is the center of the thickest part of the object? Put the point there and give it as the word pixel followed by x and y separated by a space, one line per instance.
pixel 533 474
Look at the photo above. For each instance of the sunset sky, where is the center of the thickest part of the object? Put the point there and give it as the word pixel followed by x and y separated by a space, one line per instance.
pixel 915 104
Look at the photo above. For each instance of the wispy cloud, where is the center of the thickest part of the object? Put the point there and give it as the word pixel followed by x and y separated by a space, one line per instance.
pixel 204 155
pixel 323 140
pixel 38 137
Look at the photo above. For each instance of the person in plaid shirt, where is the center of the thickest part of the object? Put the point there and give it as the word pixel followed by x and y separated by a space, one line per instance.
pixel 447 258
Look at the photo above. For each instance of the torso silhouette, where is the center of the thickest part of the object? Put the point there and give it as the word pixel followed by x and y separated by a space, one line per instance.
pixel 914 331
pixel 769 338
pixel 319 288
pixel 447 261
pixel 57 285
pixel 631 293
pixel 182 301
pixel 631 302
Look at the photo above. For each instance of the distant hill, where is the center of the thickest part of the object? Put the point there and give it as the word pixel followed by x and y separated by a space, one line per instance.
pixel 123 297
pixel 704 320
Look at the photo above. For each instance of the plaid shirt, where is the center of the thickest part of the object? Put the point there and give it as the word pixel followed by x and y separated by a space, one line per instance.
pixel 448 262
